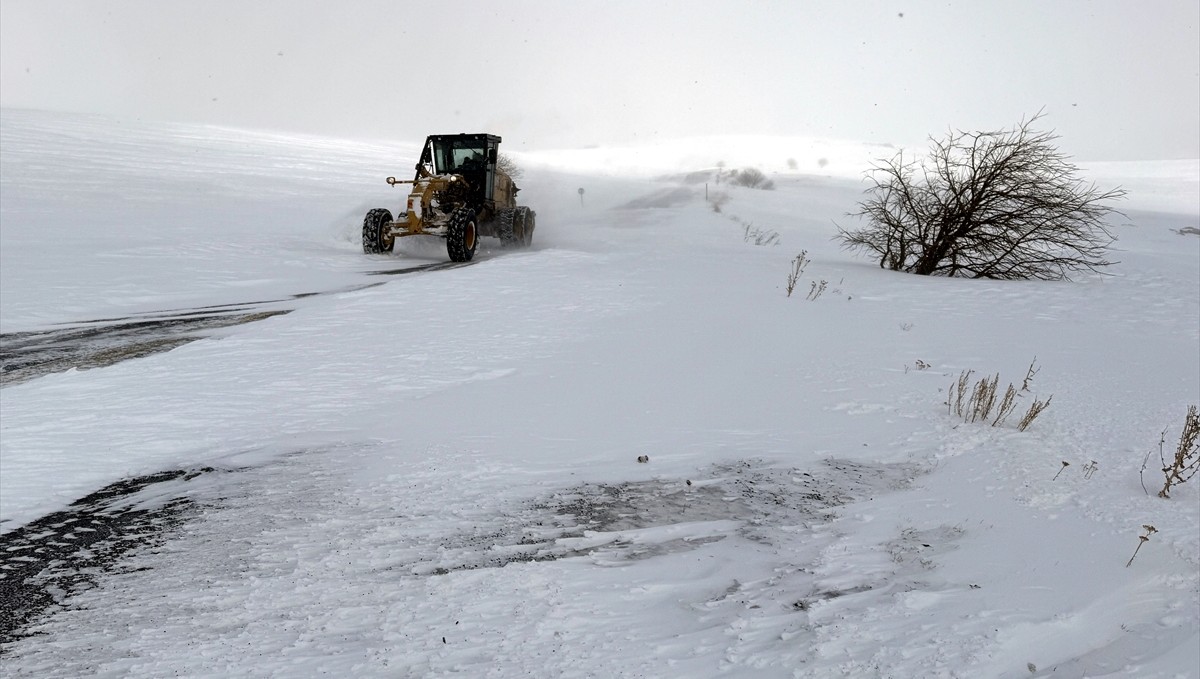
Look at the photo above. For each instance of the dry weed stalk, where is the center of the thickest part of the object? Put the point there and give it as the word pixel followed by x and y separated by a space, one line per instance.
pixel 983 398
pixel 798 264
pixel 817 289
pixel 1034 410
pixel 980 404
pixel 1061 469
pixel 1186 461
pixel 1142 539
pixel 751 233
pixel 1029 375
pixel 1146 461
pixel 957 389
pixel 1090 469
pixel 1007 405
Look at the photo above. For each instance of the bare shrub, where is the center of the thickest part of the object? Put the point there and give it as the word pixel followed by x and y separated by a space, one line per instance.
pixel 752 178
pixel 508 166
pixel 1005 204
pixel 1184 464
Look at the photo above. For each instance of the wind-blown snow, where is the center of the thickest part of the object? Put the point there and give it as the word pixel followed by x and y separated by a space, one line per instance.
pixel 438 474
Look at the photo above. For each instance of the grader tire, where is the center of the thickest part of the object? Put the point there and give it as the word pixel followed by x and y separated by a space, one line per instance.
pixel 462 236
pixel 526 222
pixel 506 228
pixel 374 232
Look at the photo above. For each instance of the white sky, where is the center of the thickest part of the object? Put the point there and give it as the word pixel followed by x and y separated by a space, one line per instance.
pixel 1119 80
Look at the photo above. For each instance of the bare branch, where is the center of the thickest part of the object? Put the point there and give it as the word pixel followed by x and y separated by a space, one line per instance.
pixel 1005 204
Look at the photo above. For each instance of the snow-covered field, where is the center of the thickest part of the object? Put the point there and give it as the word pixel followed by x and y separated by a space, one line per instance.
pixel 437 473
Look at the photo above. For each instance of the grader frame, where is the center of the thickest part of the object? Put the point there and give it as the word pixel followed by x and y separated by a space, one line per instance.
pixel 458 193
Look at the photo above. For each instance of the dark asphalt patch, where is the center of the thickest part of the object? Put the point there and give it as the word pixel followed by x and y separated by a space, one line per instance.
pixel 47 560
pixel 751 494
pixel 44 562
pixel 106 341
pixel 26 355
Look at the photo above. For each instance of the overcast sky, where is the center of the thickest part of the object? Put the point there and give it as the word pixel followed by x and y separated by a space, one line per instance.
pixel 1119 80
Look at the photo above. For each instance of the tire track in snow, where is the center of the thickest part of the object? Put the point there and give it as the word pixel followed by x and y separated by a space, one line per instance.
pixel 103 342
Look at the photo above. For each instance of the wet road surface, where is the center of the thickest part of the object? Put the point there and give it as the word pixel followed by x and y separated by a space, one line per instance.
pixel 102 342
pixel 46 560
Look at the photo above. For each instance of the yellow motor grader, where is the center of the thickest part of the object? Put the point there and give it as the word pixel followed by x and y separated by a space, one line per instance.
pixel 458 194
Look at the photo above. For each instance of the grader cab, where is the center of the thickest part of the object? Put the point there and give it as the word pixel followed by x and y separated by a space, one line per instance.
pixel 459 194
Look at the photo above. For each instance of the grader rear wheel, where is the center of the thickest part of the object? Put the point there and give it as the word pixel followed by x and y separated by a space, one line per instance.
pixel 526 222
pixel 506 227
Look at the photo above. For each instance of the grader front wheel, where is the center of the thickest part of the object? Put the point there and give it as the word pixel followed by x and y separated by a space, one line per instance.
pixel 462 236
pixel 376 237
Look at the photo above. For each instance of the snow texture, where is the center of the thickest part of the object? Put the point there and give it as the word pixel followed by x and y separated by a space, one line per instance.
pixel 232 444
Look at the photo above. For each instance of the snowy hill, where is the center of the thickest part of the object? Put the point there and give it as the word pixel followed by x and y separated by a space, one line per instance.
pixel 369 468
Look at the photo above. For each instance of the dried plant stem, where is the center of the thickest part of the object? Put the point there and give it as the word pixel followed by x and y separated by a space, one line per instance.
pixel 1065 464
pixel 980 404
pixel 1029 375
pixel 1186 461
pixel 817 289
pixel 1146 461
pixel 1142 539
pixel 957 391
pixel 983 398
pixel 1007 405
pixel 1034 410
pixel 798 264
